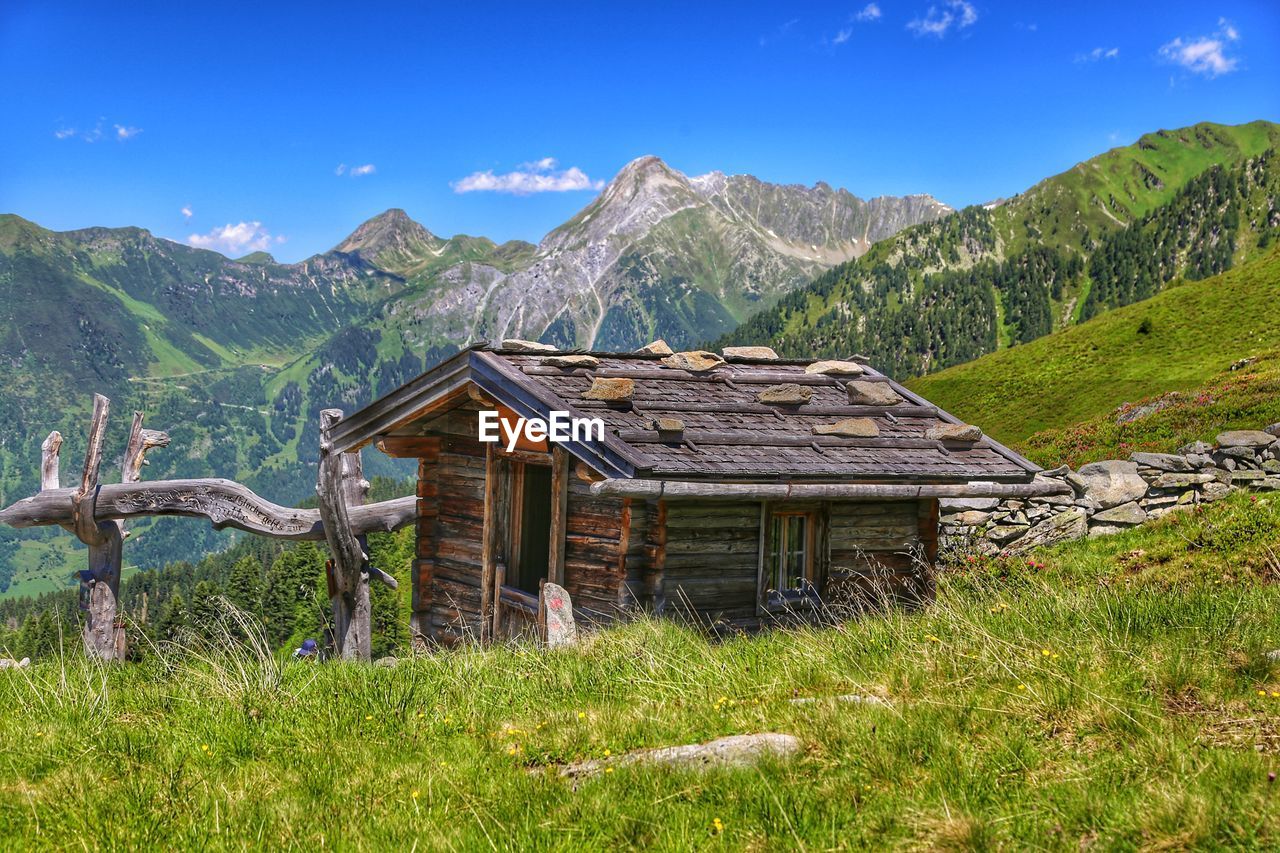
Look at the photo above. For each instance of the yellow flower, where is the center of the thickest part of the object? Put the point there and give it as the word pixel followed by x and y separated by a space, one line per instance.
pixel 933 639
pixel 608 770
pixel 368 716
pixel 582 715
pixel 1262 693
pixel 1274 694
pixel 1022 687
pixel 607 753
pixel 717 826
pixel 1045 652
pixel 422 714
pixel 415 795
pixel 511 750
pixel 205 747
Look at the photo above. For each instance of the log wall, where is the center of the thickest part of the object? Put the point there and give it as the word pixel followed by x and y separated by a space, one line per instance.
pixel 604 550
pixel 882 548
pixel 711 560
pixel 450 532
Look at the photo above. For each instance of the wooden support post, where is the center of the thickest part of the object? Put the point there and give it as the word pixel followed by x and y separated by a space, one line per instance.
pixel 100 582
pixel 340 481
pixel 489 544
pixel 559 513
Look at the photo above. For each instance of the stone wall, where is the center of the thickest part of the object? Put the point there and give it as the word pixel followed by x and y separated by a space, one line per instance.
pixel 1110 496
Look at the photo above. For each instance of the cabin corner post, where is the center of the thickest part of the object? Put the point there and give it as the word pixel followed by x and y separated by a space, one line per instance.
pixel 340 482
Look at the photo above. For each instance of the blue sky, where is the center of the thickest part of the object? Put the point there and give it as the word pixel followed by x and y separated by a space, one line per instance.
pixel 263 126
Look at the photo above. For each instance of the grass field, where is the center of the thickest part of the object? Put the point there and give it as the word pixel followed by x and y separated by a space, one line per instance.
pixel 1115 695
pixel 1179 340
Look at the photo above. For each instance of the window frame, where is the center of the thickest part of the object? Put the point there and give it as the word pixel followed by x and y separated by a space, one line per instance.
pixel 770 598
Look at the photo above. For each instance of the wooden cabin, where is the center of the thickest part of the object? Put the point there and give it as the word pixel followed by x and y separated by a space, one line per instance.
pixel 733 492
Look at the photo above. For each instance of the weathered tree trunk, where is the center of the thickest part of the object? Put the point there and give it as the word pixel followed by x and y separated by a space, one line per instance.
pixel 100 583
pixel 339 483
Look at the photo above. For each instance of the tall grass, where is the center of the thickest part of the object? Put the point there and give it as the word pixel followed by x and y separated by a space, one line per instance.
pixel 1106 696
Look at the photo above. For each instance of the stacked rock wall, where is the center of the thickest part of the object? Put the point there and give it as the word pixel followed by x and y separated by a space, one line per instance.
pixel 1110 496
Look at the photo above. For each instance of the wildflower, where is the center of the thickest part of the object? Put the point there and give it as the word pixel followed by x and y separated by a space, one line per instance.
pixel 368 716
pixel 1262 693
pixel 933 639
pixel 422 714
pixel 582 715
pixel 511 750
pixel 717 826
pixel 1046 652
pixel 1022 687
pixel 204 747
pixel 1275 694
pixel 607 753
pixel 608 770
pixel 414 795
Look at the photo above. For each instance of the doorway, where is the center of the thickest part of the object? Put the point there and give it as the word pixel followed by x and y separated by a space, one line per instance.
pixel 533 541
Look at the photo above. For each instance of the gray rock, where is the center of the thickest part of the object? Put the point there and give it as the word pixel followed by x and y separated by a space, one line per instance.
pixel 610 390
pixel 788 394
pixel 835 368
pixel 658 347
pixel 1161 512
pixel 1274 654
pixel 697 361
pixel 1271 484
pixel 731 751
pixel 1060 471
pixel 731 353
pixel 570 361
pixel 1245 438
pixel 1241 452
pixel 971 518
pixel 1112 482
pixel 1161 461
pixel 518 345
pixel 667 425
pixel 1200 460
pixel 1002 533
pixel 853 698
pixel 849 428
pixel 864 393
pixel 10 663
pixel 953 432
pixel 1214 491
pixel 1088 504
pixel 1181 481
pixel 1068 524
pixel 1104 530
pixel 968 503
pixel 1127 514
pixel 1195 447
pixel 1274 429
pixel 386 662
pixel 561 629
pixel 1246 477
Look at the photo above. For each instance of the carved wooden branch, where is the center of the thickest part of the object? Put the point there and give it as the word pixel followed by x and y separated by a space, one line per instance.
pixel 49 452
pixel 135 452
pixel 83 515
pixel 223 502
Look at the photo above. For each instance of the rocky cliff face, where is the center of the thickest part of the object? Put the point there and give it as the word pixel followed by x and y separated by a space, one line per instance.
pixel 656 254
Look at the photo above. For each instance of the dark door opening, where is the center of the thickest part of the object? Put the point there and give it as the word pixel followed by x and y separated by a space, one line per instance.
pixel 535 529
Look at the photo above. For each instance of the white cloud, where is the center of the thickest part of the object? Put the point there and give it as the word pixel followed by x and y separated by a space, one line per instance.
pixel 842 36
pixel 236 240
pixel 538 176
pixel 121 133
pixel 1205 55
pixel 939 21
pixel 1098 53
pixel 355 171
pixel 870 12
pixel 187 211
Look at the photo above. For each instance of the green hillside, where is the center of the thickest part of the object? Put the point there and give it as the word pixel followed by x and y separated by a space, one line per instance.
pixel 1113 230
pixel 1180 339
pixel 1112 694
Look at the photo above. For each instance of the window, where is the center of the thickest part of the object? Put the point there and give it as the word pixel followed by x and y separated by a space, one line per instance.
pixel 790 560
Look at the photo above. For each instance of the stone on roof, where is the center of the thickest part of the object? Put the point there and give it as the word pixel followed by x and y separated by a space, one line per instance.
pixel 733 353
pixel 610 390
pixel 787 394
pixel 568 361
pixel 658 347
pixel 518 345
pixel 835 368
pixel 849 428
pixel 866 393
pixel 696 361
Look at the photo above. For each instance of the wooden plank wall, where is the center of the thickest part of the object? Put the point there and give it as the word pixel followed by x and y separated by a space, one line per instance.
pixel 604 546
pixel 711 559
pixel 424 563
pixel 876 549
pixel 453 604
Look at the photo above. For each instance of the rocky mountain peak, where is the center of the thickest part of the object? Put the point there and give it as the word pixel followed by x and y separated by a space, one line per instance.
pixel 389 230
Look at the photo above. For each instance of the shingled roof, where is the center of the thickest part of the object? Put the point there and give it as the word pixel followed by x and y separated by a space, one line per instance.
pixel 727 434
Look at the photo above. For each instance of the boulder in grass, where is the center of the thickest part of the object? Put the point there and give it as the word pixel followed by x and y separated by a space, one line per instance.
pixel 864 393
pixel 696 361
pixel 1069 524
pixel 731 353
pixel 518 345
pixel 1111 482
pixel 731 751
pixel 849 428
pixel 788 394
pixel 1274 429
pixel 570 361
pixel 835 368
pixel 1245 438
pixel 658 347
pixel 953 432
pixel 618 390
